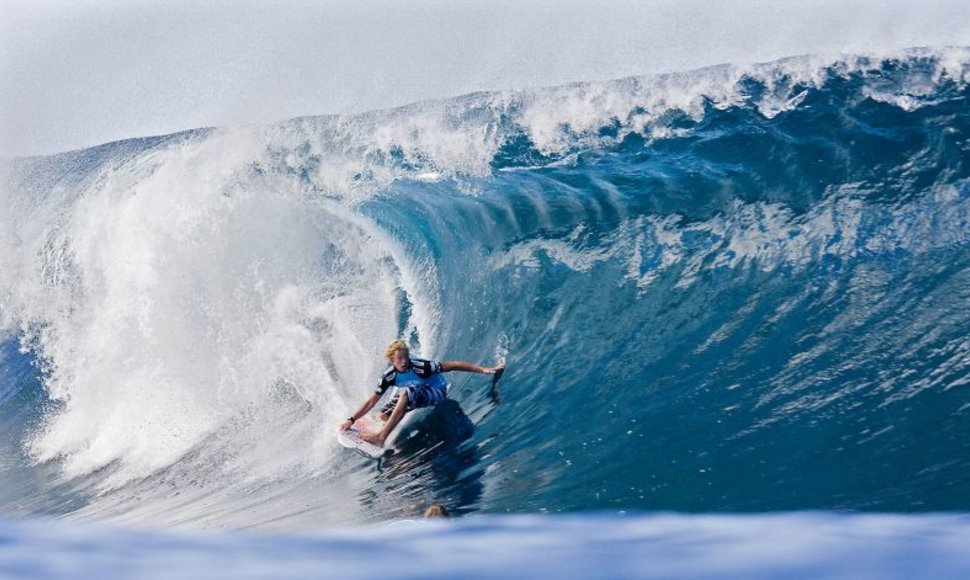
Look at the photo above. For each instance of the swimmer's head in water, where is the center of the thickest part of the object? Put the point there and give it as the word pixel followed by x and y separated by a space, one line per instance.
pixel 436 511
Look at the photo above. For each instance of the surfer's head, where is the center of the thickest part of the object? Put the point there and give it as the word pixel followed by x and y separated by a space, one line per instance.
pixel 436 511
pixel 397 353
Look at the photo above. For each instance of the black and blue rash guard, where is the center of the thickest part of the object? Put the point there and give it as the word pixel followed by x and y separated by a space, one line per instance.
pixel 420 373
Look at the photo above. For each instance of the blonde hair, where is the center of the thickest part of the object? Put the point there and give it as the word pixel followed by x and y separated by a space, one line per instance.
pixel 436 511
pixel 394 347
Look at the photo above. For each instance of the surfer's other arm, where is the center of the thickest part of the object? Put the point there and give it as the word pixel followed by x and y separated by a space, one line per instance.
pixel 457 365
pixel 361 411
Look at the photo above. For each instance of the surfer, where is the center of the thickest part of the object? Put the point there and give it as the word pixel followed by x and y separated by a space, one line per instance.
pixel 420 384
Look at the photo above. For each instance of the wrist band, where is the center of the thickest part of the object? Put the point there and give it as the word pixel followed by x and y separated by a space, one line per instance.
pixel 351 419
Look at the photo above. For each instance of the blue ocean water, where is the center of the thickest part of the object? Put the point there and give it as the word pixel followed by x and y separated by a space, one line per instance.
pixel 738 289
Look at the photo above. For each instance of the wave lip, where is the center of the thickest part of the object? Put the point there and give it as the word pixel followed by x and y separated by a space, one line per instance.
pixel 469 137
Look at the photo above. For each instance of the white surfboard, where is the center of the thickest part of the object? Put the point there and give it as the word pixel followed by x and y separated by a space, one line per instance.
pixel 351 437
pixel 368 424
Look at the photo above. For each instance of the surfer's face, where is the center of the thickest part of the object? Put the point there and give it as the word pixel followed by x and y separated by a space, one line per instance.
pixel 400 361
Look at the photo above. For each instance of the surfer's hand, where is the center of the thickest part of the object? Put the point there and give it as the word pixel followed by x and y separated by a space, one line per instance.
pixel 347 424
pixel 493 370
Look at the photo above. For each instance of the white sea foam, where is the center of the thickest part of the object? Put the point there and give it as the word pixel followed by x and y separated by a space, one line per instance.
pixel 459 138
pixel 175 294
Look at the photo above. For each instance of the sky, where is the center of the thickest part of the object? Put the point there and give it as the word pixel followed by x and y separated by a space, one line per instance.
pixel 76 73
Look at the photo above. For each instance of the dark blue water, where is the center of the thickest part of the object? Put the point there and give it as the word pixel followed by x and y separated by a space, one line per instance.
pixel 754 301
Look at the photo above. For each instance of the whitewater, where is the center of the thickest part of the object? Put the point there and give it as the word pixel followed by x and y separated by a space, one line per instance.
pixel 722 293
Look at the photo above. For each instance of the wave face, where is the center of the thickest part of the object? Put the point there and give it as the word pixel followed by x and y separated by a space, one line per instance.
pixel 733 289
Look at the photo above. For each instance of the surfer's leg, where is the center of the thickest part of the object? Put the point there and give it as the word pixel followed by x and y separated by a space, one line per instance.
pixel 385 413
pixel 400 408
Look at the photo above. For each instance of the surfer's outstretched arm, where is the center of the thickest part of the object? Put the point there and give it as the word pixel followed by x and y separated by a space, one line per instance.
pixel 361 411
pixel 457 365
